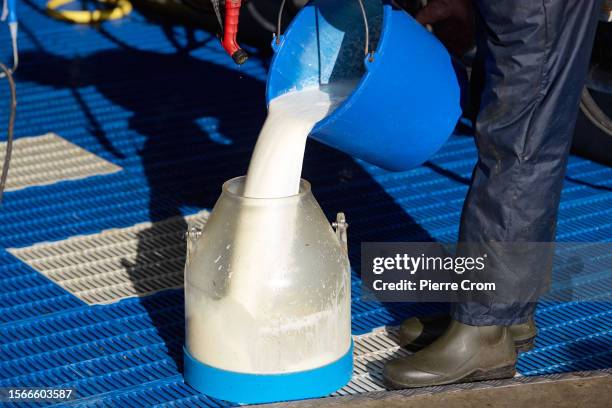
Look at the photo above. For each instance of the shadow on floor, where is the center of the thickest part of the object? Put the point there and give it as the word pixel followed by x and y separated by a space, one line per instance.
pixel 200 121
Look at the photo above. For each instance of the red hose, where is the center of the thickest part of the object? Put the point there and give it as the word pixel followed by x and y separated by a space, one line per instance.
pixel 230 30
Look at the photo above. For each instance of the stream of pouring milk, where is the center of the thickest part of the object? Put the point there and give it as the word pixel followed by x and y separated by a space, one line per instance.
pixel 239 331
pixel 276 165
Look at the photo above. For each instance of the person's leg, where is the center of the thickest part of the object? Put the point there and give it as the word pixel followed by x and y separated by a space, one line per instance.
pixel 477 73
pixel 535 58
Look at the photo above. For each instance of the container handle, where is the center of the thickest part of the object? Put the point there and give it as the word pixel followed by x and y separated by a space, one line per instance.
pixel 368 52
pixel 192 235
pixel 340 226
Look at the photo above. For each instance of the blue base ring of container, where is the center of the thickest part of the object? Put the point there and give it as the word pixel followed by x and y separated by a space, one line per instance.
pixel 259 388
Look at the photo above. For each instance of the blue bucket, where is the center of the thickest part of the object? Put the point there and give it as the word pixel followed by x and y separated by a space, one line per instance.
pixel 406 102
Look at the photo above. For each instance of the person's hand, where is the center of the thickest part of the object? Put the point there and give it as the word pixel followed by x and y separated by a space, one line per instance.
pixel 452 22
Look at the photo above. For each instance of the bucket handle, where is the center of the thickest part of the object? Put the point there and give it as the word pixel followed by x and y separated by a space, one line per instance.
pixel 369 53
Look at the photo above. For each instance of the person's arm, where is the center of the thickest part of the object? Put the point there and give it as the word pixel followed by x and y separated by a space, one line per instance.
pixel 452 22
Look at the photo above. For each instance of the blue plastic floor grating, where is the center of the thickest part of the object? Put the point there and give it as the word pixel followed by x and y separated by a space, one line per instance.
pixel 179 122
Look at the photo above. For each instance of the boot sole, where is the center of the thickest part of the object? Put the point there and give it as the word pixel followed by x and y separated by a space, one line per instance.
pixel 493 374
pixel 476 375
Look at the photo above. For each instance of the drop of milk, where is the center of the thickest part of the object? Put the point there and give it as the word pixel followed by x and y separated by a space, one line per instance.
pixel 276 165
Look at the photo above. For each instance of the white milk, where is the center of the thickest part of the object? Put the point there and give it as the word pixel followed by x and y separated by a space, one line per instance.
pixel 274 172
pixel 276 165
pixel 261 250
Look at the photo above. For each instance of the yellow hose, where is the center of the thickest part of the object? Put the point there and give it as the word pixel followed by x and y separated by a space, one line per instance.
pixel 121 9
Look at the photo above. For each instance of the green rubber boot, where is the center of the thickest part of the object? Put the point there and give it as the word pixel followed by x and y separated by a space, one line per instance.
pixel 462 354
pixel 418 332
